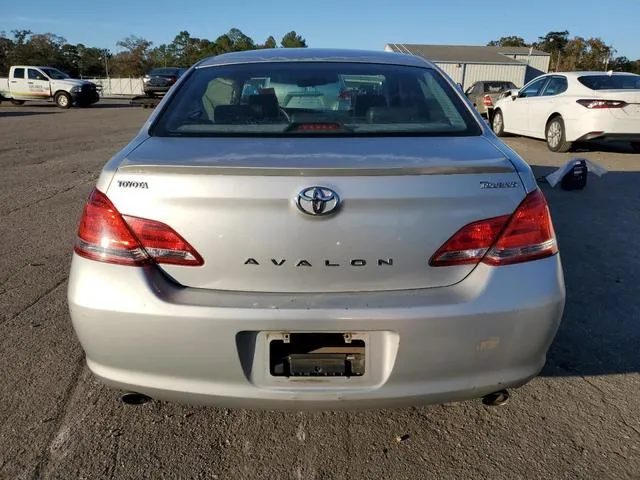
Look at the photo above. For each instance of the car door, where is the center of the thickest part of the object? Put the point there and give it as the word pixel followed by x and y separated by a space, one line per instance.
pixel 541 106
pixel 516 118
pixel 37 84
pixel 18 84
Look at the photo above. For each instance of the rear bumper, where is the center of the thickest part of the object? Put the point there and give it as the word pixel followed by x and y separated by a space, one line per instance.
pixel 602 126
pixel 156 89
pixel 142 333
pixel 610 137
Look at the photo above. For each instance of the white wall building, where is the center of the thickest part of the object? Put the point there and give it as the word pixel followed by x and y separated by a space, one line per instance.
pixel 467 64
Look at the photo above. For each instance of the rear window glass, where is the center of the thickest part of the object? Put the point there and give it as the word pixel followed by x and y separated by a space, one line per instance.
pixel 315 98
pixel 165 71
pixel 498 87
pixel 611 82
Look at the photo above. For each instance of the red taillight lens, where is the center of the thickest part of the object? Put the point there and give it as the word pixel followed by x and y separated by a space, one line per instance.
pixel 526 235
pixel 162 243
pixel 486 100
pixel 345 95
pixel 470 243
pixel 596 104
pixel 105 235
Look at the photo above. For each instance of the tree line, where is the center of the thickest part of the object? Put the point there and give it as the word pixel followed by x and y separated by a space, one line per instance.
pixel 577 53
pixel 135 55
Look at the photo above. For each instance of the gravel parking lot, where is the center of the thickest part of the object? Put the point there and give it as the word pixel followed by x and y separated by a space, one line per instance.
pixel 578 419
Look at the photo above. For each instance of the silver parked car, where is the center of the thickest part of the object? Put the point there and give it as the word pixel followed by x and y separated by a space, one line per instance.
pixel 272 240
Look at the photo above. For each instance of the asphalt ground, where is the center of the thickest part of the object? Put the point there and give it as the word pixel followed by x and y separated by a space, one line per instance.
pixel 579 419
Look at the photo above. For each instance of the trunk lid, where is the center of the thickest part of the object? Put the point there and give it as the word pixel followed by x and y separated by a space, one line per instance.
pixel 631 97
pixel 234 201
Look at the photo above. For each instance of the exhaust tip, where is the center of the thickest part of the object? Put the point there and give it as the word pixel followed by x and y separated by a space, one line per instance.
pixel 496 399
pixel 134 398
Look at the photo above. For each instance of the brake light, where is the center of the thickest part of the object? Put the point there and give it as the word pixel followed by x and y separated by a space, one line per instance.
pixel 597 104
pixel 345 95
pixel 526 235
pixel 106 236
pixel 487 102
pixel 318 126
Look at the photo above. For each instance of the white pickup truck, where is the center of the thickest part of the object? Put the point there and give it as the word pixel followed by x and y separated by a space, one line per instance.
pixel 46 83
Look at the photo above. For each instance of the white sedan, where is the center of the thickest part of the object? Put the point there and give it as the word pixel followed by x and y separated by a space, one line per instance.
pixel 564 108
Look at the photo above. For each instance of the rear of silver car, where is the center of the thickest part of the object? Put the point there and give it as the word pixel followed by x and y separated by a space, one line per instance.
pixel 332 265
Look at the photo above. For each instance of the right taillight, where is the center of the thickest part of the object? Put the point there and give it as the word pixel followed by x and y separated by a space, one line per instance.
pixel 525 235
pixel 105 235
pixel 594 104
pixel 487 102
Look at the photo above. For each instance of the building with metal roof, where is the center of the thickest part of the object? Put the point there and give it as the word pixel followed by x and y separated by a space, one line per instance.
pixel 467 64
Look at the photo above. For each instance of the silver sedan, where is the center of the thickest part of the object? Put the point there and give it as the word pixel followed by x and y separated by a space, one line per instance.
pixel 299 229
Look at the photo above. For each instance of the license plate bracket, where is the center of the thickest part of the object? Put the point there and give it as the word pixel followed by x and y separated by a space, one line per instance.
pixel 317 355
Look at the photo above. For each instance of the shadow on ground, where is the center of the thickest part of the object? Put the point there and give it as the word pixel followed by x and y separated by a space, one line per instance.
pixel 598 230
pixel 119 104
pixel 609 147
pixel 18 113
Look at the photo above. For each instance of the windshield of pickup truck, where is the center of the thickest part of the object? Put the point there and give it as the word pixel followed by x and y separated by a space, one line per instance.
pixel 55 74
pixel 281 98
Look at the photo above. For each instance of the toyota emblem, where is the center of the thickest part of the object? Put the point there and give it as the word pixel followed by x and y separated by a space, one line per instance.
pixel 318 201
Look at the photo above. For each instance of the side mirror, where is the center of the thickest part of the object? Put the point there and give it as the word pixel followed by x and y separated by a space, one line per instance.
pixel 460 87
pixel 513 93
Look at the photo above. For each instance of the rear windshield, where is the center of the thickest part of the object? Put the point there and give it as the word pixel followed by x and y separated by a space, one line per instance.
pixel 611 82
pixel 165 71
pixel 315 98
pixel 498 87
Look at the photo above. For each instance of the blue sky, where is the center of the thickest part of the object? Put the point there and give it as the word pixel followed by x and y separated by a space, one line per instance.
pixel 329 23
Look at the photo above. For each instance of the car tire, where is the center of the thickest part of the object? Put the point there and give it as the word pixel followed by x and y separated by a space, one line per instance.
pixel 17 102
pixel 635 147
pixel 555 136
pixel 497 124
pixel 63 100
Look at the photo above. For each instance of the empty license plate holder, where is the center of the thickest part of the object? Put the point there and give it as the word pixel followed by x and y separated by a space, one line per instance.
pixel 319 355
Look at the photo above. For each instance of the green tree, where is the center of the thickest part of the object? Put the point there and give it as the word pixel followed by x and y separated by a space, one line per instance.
pixel 240 41
pixel 622 64
pixel 134 60
pixel 6 47
pixel 293 40
pixel 553 43
pixel 510 41
pixel 270 42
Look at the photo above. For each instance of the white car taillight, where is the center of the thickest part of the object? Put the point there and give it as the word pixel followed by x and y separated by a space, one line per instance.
pixel 596 104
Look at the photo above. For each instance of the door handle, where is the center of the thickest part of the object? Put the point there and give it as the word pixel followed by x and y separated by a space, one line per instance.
pixel 30 83
pixel 14 81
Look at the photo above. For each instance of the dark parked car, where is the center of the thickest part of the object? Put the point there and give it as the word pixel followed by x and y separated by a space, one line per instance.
pixel 485 94
pixel 160 80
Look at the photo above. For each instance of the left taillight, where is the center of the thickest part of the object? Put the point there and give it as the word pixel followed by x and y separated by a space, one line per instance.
pixel 104 235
